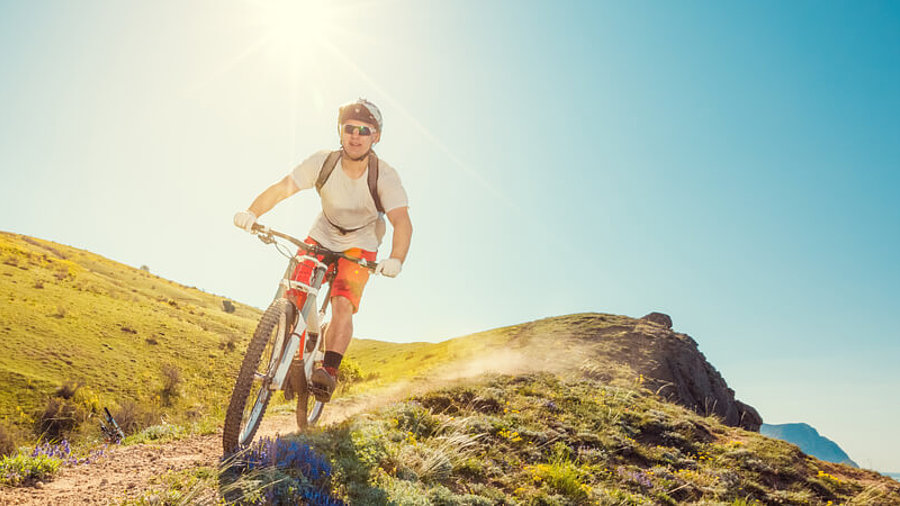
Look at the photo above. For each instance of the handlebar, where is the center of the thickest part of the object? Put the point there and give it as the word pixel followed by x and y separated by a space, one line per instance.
pixel 268 235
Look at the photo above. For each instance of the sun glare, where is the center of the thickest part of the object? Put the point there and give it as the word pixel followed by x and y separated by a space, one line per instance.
pixel 295 28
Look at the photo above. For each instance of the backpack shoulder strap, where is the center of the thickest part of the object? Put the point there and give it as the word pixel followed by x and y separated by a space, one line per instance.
pixel 331 162
pixel 327 168
pixel 373 181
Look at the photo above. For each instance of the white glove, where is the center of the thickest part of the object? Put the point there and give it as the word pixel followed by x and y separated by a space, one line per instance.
pixel 244 220
pixel 389 267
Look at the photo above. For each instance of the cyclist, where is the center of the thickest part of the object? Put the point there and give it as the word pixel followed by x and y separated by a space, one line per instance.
pixel 353 205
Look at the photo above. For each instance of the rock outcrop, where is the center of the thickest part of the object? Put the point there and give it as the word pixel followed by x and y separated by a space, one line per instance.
pixel 659 318
pixel 647 350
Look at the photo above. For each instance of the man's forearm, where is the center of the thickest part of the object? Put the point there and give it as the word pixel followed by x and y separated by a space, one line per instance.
pixel 401 239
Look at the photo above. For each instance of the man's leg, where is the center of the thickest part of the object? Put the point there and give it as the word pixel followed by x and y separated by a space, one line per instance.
pixel 337 339
pixel 340 329
pixel 346 293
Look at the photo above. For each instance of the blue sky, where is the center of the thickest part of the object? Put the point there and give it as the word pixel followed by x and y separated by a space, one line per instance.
pixel 733 165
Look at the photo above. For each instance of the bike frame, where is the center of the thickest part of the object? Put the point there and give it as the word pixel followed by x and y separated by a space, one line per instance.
pixel 297 340
pixel 302 336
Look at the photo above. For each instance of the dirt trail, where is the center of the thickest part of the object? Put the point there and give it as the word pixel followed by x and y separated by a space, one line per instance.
pixel 126 471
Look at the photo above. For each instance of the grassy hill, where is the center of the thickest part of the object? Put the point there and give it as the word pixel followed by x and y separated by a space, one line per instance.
pixel 615 349
pixel 546 439
pixel 578 409
pixel 124 334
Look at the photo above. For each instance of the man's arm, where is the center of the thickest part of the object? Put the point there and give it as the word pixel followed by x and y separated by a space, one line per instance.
pixel 273 195
pixel 402 225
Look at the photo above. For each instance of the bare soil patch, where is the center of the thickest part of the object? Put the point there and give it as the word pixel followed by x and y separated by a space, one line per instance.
pixel 126 471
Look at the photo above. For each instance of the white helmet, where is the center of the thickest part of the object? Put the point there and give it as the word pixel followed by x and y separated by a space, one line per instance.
pixel 361 110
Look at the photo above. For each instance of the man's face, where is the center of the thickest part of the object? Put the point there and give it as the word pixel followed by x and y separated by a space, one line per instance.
pixel 354 143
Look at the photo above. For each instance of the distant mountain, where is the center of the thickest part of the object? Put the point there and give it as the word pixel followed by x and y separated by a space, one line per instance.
pixel 809 440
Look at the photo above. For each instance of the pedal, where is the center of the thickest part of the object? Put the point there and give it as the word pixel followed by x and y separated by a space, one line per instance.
pixel 321 394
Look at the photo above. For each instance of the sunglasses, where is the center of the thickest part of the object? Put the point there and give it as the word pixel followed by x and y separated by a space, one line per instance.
pixel 361 130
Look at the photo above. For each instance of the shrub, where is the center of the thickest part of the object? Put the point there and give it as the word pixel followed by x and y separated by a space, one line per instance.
pixel 8 441
pixel 561 475
pixel 60 417
pixel 349 374
pixel 132 417
pixel 230 342
pixel 67 390
pixel 171 380
pixel 415 419
pixel 21 469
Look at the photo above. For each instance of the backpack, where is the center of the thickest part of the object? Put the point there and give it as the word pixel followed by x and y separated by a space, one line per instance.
pixel 325 172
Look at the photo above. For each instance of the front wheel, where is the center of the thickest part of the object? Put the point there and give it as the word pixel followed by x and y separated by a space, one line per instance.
pixel 252 390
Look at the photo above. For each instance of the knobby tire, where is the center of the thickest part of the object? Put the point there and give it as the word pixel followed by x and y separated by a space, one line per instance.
pixel 234 423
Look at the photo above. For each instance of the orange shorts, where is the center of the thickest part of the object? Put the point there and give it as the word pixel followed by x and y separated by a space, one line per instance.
pixel 349 281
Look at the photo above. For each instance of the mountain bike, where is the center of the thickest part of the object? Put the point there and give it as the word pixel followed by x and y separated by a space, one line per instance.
pixel 285 335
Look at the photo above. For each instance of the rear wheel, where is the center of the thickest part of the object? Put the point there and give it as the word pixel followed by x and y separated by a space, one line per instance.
pixel 252 391
pixel 308 410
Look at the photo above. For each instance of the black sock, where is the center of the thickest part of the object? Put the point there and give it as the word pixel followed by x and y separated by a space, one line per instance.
pixel 333 360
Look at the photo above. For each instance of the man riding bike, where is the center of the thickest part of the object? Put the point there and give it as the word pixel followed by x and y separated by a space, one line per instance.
pixel 356 190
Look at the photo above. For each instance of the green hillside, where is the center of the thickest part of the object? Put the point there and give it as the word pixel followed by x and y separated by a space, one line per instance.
pixel 551 343
pixel 546 439
pixel 69 315
pixel 615 349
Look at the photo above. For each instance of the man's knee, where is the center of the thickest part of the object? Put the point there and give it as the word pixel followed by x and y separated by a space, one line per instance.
pixel 341 306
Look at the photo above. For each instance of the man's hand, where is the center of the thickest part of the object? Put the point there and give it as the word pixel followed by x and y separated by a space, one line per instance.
pixel 244 220
pixel 389 267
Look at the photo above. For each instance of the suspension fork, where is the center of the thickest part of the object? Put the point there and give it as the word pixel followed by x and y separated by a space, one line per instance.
pixel 298 334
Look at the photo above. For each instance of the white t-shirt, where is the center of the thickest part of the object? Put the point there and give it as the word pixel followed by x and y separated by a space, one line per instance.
pixel 348 203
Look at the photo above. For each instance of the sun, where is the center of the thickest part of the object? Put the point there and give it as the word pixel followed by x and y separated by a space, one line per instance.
pixel 294 30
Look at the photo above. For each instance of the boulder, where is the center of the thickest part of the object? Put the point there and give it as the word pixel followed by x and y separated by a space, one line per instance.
pixel 659 319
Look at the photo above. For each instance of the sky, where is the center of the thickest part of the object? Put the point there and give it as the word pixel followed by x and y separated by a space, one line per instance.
pixel 734 165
